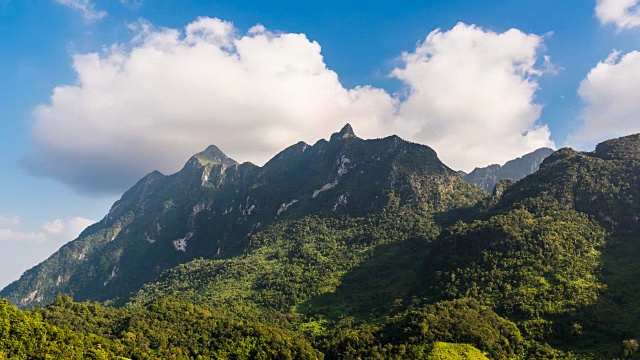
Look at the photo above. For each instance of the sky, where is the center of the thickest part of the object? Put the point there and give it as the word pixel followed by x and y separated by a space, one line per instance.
pixel 94 94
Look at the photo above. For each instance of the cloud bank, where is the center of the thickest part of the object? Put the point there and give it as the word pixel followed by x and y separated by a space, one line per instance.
pixel 86 8
pixel 58 230
pixel 624 14
pixel 609 93
pixel 150 104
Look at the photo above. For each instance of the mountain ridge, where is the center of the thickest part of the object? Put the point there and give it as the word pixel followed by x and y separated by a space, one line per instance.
pixel 487 177
pixel 213 204
pixel 366 249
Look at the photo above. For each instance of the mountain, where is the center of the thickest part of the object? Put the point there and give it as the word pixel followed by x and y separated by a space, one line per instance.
pixel 213 205
pixel 604 184
pixel 487 177
pixel 555 252
pixel 416 264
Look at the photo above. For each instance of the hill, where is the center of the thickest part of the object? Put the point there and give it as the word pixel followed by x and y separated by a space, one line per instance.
pixel 415 264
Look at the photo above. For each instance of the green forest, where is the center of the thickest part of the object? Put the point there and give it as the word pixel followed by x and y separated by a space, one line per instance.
pixel 544 268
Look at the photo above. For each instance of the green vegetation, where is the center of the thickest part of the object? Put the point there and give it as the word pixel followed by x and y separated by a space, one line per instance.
pixel 536 260
pixel 172 329
pixel 412 333
pixel 211 207
pixel 290 264
pixel 446 351
pixel 603 184
pixel 163 330
pixel 414 265
pixel 25 335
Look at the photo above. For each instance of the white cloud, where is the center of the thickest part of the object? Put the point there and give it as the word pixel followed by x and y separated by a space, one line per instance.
pixel 54 227
pixel 472 95
pixel 611 103
pixel 58 230
pixel 153 103
pixel 86 8
pixel 624 14
pixel 172 94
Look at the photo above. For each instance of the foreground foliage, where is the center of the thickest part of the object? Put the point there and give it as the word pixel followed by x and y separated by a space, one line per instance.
pixel 164 330
pixel 24 335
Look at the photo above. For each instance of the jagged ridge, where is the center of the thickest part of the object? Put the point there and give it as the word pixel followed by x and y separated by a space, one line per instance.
pixel 213 205
pixel 486 178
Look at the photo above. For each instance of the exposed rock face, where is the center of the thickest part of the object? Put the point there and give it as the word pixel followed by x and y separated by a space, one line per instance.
pixel 210 207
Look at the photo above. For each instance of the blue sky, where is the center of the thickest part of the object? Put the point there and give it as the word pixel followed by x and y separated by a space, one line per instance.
pixel 60 171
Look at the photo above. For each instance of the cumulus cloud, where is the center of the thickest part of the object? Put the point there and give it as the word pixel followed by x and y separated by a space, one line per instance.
pixel 624 14
pixel 472 95
pixel 169 93
pixel 86 8
pixel 609 93
pixel 58 230
pixel 172 93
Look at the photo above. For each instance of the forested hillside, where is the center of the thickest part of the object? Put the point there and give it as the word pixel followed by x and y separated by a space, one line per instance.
pixel 415 264
pixel 212 207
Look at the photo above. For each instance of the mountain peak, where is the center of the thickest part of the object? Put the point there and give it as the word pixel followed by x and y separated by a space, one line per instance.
pixel 346 132
pixel 213 155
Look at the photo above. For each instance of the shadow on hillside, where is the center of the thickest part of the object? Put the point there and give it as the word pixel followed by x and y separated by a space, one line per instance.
pixel 370 290
pixel 615 316
pixel 466 214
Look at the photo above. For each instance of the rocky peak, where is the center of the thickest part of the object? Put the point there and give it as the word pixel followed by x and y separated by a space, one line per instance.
pixel 345 133
pixel 213 155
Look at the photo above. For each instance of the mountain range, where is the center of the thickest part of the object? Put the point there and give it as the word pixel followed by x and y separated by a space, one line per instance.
pixel 352 249
pixel 213 205
pixel 487 177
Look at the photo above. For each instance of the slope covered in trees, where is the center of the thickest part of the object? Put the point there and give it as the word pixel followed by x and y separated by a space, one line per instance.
pixel 25 335
pixel 213 205
pixel 545 268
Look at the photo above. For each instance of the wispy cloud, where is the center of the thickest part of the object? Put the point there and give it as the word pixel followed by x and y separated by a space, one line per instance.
pixel 86 8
